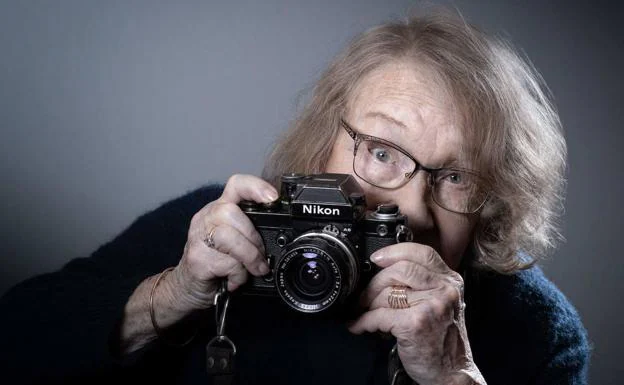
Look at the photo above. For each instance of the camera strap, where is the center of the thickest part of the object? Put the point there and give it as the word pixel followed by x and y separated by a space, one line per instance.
pixel 221 351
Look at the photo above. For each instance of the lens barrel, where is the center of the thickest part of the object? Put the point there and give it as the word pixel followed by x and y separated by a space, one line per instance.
pixel 316 271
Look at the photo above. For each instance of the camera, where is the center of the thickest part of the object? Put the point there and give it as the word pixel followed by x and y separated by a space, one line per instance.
pixel 318 237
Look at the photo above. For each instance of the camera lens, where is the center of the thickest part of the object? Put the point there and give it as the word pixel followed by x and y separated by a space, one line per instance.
pixel 313 279
pixel 315 272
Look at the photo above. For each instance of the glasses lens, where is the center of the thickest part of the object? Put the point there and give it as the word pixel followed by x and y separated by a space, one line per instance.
pixel 381 164
pixel 458 191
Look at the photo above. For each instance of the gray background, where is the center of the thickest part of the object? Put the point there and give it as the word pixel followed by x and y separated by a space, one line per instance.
pixel 109 108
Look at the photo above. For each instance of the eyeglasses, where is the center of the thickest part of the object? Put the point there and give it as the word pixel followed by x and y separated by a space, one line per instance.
pixel 385 165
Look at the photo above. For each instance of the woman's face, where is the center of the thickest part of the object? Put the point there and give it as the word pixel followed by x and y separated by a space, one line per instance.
pixel 403 105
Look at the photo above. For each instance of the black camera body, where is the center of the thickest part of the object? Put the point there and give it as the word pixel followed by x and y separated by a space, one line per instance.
pixel 318 238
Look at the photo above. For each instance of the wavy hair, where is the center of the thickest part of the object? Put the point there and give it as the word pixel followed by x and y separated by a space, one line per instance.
pixel 509 125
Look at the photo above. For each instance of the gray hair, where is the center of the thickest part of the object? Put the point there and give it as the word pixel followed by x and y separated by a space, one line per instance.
pixel 510 127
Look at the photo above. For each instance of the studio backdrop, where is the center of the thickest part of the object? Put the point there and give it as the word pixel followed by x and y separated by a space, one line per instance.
pixel 110 108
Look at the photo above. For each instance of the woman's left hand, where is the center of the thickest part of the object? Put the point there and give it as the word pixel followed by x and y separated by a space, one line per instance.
pixel 431 333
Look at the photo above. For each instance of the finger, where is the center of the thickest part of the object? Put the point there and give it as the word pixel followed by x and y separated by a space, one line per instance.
pixel 237 277
pixel 230 214
pixel 230 241
pixel 223 266
pixel 379 320
pixel 205 263
pixel 445 297
pixel 421 319
pixel 248 187
pixel 402 273
pixel 413 297
pixel 410 251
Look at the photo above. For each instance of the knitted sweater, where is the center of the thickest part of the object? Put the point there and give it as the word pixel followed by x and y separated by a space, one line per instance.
pixel 59 327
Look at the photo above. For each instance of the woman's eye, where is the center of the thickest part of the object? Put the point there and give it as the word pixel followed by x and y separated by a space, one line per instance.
pixel 381 154
pixel 454 177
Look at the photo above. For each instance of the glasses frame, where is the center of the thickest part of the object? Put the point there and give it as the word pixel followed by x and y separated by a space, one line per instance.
pixel 358 138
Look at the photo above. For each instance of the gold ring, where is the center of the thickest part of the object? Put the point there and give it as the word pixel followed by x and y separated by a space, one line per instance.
pixel 397 299
pixel 210 241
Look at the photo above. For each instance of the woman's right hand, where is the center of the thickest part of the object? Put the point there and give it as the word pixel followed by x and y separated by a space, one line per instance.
pixel 238 247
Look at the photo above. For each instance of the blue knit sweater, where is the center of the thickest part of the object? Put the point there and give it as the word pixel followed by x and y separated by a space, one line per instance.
pixel 62 327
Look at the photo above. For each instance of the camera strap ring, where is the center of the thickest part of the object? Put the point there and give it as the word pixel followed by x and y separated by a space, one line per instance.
pixel 221 302
pixel 220 350
pixel 220 339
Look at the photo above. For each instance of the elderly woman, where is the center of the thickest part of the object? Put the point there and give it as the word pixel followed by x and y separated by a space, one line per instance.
pixel 432 115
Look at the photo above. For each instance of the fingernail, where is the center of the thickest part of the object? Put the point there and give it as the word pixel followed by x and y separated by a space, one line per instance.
pixel 376 257
pixel 351 327
pixel 264 268
pixel 270 195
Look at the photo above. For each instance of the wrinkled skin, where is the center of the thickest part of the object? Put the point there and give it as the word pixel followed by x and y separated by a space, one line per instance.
pixel 402 104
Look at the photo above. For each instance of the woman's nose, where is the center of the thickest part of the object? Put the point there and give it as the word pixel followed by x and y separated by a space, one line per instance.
pixel 414 200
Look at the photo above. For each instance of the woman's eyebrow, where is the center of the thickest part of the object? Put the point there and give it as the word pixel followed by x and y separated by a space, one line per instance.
pixel 384 116
pixel 453 163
